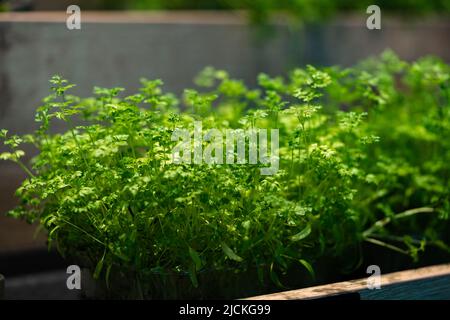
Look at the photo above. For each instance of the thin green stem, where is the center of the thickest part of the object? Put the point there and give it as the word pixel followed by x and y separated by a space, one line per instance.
pixel 383 222
pixel 24 167
pixel 386 245
pixel 86 233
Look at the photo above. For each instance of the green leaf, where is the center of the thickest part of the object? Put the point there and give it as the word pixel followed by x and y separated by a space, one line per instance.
pixel 230 253
pixel 308 267
pixel 99 267
pixel 246 224
pixel 302 234
pixel 196 258
pixel 6 156
pixel 274 277
pixel 193 277
pixel 108 273
pixel 18 154
pixel 50 235
pixel 260 272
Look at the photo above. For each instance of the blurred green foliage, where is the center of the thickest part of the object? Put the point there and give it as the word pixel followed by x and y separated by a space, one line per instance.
pixel 259 10
pixel 306 10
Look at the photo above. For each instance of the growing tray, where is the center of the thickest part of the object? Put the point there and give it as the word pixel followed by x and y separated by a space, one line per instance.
pixel 417 284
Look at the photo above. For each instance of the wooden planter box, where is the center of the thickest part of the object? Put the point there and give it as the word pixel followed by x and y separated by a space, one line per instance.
pixel 417 284
pixel 424 283
pixel 427 283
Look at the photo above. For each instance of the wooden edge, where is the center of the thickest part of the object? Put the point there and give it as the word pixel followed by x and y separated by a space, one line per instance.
pixel 214 17
pixel 357 285
pixel 153 17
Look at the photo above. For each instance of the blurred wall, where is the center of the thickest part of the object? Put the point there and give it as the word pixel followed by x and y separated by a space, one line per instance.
pixel 174 47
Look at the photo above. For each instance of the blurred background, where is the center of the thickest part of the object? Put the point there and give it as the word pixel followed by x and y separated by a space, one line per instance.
pixel 121 41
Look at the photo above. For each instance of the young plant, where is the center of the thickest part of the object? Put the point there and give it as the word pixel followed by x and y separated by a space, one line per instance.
pixel 364 157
